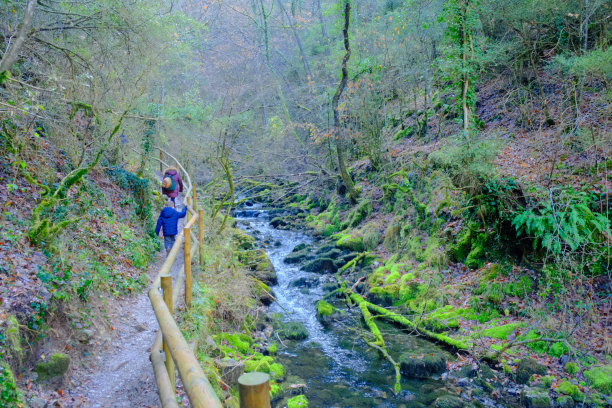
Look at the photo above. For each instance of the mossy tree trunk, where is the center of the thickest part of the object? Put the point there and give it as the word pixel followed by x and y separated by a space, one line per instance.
pixel 340 153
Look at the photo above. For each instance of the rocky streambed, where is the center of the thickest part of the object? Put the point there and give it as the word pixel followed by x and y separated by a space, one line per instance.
pixel 325 355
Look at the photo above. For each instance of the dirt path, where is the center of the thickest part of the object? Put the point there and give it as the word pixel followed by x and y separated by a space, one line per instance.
pixel 122 375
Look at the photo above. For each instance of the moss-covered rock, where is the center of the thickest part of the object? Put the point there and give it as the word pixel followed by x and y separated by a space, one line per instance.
pixel 262 366
pixel 535 398
pixel 565 401
pixel 294 331
pixel 568 388
pixel 296 257
pixel 350 242
pixel 600 378
pixel 259 264
pixel 276 392
pixel 242 239
pixel 277 371
pixel 279 222
pixel 571 368
pixel 326 313
pixel 321 265
pixel 526 368
pixel 449 401
pixel 299 401
pixel 412 366
pixel 557 350
pixel 55 366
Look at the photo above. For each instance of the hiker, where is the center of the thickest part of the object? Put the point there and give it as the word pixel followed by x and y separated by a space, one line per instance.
pixel 172 184
pixel 168 220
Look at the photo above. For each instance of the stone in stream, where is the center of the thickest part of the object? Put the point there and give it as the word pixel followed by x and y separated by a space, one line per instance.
pixel 526 368
pixel 294 331
pixel 299 247
pixel 321 265
pixel 449 401
pixel 412 366
pixel 535 398
pixel 296 257
pixel 333 253
pixel 304 282
pixel 278 222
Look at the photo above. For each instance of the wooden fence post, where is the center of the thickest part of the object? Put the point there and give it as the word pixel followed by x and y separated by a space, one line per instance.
pixel 161 164
pixel 189 201
pixel 254 390
pixel 195 200
pixel 187 257
pixel 166 284
pixel 201 235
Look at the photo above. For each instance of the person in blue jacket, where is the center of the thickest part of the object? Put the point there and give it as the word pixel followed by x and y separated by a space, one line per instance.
pixel 168 220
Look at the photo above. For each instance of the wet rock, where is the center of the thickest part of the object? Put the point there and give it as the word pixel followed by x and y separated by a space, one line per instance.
pixel 277 243
pixel 565 401
pixel 467 371
pixel 244 240
pixel 304 282
pixel 326 313
pixel 333 253
pixel 278 222
pixel 55 366
pixel 343 259
pixel 412 366
pixel 325 248
pixel 321 265
pixel 299 247
pixel 294 331
pixel 535 398
pixel 296 257
pixel 330 286
pixel 449 401
pixel 230 370
pixel 526 368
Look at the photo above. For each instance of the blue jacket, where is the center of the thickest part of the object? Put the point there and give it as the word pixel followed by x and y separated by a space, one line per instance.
pixel 168 219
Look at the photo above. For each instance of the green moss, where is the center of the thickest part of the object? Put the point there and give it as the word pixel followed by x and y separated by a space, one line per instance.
pixel 506 367
pixel 56 365
pixel 13 339
pixel 600 378
pixel 299 401
pixel 557 350
pixel 348 241
pixel 493 293
pixel 538 346
pixel 474 258
pixel 499 332
pixel 568 388
pixel 273 348
pixel 262 366
pixel 276 391
pixel 547 381
pixel 571 368
pixel 277 370
pixel 9 393
pixel 324 308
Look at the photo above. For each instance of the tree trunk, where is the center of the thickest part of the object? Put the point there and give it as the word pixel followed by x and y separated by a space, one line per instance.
pixel 346 178
pixel 13 51
pixel 297 40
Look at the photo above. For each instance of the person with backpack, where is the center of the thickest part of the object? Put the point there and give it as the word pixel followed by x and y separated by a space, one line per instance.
pixel 168 222
pixel 172 184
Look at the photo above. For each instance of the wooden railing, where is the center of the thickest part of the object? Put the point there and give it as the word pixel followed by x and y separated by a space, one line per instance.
pixel 169 338
pixel 164 294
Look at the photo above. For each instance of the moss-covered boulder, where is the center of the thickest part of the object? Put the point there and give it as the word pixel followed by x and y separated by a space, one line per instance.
pixel 326 313
pixel 535 398
pixel 55 366
pixel 321 265
pixel 276 392
pixel 350 242
pixel 449 401
pixel 296 257
pixel 299 401
pixel 294 331
pixel 412 366
pixel 565 401
pixel 242 239
pixel 279 222
pixel 600 378
pixel 526 368
pixel 259 264
pixel 567 388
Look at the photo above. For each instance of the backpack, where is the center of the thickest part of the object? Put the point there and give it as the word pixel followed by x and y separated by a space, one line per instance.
pixel 172 184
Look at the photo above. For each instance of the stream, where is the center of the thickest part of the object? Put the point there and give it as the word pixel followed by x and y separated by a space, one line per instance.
pixel 339 369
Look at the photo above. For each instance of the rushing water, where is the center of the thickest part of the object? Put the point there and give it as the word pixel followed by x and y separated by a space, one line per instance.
pixel 339 369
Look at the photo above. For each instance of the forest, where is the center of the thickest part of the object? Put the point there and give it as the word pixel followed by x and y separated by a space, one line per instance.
pixel 402 203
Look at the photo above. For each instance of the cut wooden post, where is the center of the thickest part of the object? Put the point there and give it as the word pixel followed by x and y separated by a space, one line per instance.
pixel 195 199
pixel 254 389
pixel 166 284
pixel 201 235
pixel 189 201
pixel 161 163
pixel 187 257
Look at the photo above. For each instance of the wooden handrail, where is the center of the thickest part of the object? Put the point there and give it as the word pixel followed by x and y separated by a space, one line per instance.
pixel 195 382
